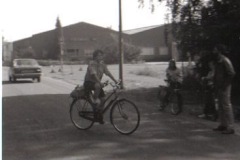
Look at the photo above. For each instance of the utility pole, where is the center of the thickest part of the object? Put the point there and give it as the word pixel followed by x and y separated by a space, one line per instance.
pixel 61 43
pixel 120 45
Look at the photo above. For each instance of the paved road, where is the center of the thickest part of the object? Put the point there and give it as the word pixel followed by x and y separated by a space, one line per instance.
pixel 36 126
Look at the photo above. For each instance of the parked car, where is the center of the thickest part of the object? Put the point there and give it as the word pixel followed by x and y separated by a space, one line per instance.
pixel 25 68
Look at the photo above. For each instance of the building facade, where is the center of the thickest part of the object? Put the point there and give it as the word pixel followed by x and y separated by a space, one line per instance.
pixel 81 39
pixel 155 42
pixel 7 51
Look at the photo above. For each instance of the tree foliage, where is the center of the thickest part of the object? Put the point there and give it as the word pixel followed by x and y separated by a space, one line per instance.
pixel 59 40
pixel 198 25
pixel 27 52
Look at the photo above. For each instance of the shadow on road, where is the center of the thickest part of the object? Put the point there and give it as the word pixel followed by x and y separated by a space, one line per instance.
pixel 17 82
pixel 39 127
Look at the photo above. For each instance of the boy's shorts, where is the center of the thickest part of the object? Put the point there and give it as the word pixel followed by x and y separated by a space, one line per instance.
pixel 90 86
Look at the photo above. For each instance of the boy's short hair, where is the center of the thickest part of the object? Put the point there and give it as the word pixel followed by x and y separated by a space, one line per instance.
pixel 96 53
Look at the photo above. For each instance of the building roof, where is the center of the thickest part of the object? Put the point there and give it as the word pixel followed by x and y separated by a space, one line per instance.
pixel 137 30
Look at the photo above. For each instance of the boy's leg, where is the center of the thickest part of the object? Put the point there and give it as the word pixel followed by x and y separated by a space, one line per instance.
pixel 99 96
pixel 97 89
pixel 100 107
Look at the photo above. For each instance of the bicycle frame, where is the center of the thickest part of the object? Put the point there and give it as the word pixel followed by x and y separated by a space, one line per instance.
pixel 171 90
pixel 109 104
pixel 124 114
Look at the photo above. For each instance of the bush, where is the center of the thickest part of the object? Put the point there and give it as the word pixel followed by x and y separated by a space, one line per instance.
pixel 146 71
pixel 55 62
pixel 131 53
pixel 48 62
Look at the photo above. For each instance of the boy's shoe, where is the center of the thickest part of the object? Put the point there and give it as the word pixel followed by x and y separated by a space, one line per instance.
pixel 228 131
pixel 99 117
pixel 202 116
pixel 101 121
pixel 212 117
pixel 220 128
pixel 160 108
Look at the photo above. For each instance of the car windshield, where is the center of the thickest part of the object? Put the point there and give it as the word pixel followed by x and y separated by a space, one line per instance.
pixel 25 62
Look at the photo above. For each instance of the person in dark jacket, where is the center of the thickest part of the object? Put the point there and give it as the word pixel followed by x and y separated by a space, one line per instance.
pixel 209 97
pixel 224 73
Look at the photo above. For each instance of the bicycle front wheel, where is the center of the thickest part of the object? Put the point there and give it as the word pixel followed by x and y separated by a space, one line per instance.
pixel 176 104
pixel 125 116
pixel 82 114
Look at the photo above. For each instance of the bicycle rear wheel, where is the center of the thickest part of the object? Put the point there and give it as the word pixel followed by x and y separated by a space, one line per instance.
pixel 125 116
pixel 176 104
pixel 82 114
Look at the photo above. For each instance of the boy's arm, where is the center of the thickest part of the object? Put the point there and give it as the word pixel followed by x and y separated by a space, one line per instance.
pixel 109 74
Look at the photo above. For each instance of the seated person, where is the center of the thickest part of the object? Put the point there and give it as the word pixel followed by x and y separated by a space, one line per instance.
pixel 174 79
pixel 174 74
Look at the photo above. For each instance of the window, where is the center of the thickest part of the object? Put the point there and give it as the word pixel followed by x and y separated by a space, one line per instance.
pixel 70 50
pixel 147 51
pixel 163 51
pixel 88 52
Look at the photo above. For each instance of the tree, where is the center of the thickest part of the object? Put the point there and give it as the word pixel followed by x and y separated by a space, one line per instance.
pixel 59 40
pixel 199 25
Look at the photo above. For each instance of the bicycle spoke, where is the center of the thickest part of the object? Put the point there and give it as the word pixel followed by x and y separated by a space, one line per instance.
pixel 125 117
pixel 81 114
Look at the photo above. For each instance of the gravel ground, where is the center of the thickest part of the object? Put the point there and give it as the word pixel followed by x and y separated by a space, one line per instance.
pixel 134 75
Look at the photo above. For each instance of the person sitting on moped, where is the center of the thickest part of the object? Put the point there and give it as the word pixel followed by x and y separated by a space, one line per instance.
pixel 173 79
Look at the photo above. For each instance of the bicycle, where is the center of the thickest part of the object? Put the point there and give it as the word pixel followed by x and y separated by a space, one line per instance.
pixel 124 114
pixel 170 96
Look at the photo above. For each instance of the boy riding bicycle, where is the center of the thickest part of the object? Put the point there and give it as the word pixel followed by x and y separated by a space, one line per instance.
pixel 92 82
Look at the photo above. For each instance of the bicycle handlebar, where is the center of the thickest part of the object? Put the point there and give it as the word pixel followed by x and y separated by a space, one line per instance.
pixel 114 85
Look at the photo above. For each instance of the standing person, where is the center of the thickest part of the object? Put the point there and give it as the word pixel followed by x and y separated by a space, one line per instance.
pixel 224 73
pixel 93 77
pixel 209 106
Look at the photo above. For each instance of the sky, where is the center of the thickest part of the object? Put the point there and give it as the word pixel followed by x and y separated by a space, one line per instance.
pixel 23 18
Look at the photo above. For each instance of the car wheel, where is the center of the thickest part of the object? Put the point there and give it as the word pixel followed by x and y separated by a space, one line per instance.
pixel 10 79
pixel 39 79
